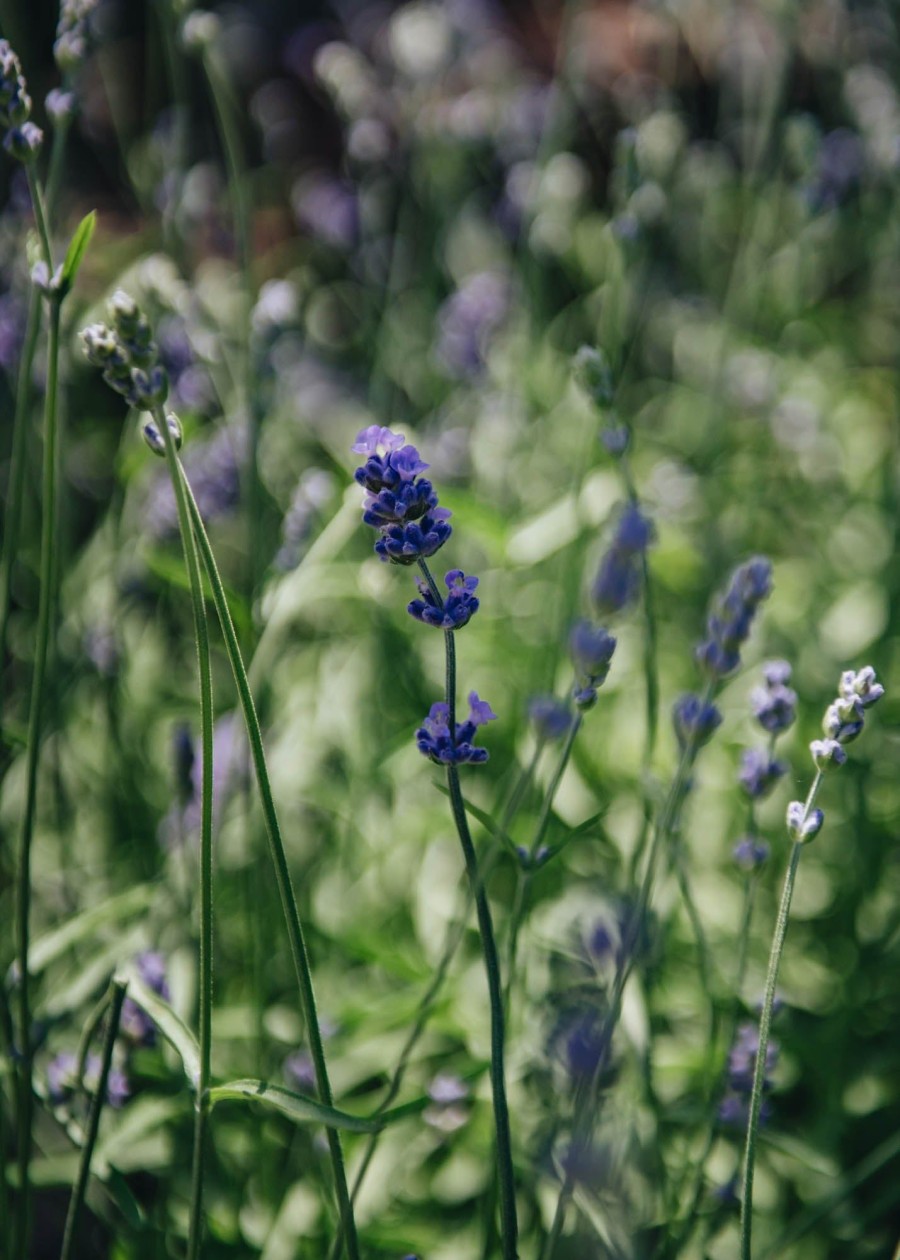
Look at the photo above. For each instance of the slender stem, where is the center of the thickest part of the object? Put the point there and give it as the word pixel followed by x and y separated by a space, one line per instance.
pixel 508 1221
pixel 765 1022
pixel 116 998
pixel 12 518
pixel 282 871
pixel 201 632
pixel 49 520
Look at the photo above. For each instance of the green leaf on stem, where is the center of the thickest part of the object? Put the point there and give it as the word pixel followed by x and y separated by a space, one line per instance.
pixel 169 1023
pixel 76 251
pixel 297 1106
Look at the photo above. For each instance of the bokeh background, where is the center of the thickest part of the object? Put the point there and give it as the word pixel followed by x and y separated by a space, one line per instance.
pixel 442 201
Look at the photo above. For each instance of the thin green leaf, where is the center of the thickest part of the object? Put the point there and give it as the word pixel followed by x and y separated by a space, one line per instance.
pixel 169 1023
pixel 296 1106
pixel 46 949
pixel 77 249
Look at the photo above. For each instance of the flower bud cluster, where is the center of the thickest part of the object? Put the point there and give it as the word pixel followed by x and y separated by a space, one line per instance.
pixel 457 608
pixel 592 650
pixel 435 740
pixel 73 33
pixel 843 722
pixel 618 580
pixel 400 504
pixel 23 137
pixel 729 622
pixel 126 352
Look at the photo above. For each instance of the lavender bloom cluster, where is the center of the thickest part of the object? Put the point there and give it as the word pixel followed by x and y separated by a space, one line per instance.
pixel 435 740
pixel 618 580
pixel 592 650
pixel 734 1108
pixel 457 608
pixel 729 622
pixel 728 626
pixel 400 504
pixel 23 138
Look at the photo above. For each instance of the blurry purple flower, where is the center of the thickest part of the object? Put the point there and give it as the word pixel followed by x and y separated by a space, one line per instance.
pixel 550 717
pixel 618 580
pixel 314 491
pixel 841 165
pixel 591 648
pixel 750 853
pixel 729 622
pixel 468 319
pixel 12 330
pixel 694 721
pixel 136 1024
pixel 327 208
pixel 300 1072
pixel 775 704
pixel 759 772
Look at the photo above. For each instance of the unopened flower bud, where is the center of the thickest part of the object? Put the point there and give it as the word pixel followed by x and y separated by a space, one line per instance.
pixel 149 388
pixel 155 439
pixel 24 143
pixel 827 754
pixel 801 826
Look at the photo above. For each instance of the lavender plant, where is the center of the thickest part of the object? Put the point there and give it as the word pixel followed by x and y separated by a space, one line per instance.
pixel 843 722
pixel 402 506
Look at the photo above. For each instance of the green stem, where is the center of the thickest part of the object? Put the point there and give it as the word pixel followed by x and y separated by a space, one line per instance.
pixel 765 1022
pixel 12 519
pixel 116 998
pixel 282 871
pixel 201 632
pixel 508 1221
pixel 50 512
pixel 40 217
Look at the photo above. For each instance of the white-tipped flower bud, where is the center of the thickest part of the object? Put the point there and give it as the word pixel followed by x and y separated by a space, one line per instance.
pixel 155 439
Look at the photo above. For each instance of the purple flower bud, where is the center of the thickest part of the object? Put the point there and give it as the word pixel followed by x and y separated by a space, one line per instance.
pixel 750 853
pixel 759 772
pixel 550 717
pixel 154 438
pixel 694 721
pixel 861 686
pixel 729 622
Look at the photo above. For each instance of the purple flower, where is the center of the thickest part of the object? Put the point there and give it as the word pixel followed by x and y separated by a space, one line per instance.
pixel 759 772
pixel 694 721
pixel 592 650
pixel 435 741
pixel 468 319
pixel 582 1043
pixel 863 686
pixel 827 754
pixel 458 608
pixel 400 504
pixel 550 717
pixel 750 853
pixel 618 580
pixel 300 1072
pixel 775 705
pixel 844 719
pixel 136 1024
pixel 729 623
pixel 742 1059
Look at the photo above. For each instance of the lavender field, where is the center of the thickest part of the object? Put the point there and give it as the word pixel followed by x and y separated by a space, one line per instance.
pixel 450 630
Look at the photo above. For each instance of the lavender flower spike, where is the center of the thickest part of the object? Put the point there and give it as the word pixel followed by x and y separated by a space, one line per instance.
pixel 435 741
pixel 592 650
pixel 400 504
pixel 729 623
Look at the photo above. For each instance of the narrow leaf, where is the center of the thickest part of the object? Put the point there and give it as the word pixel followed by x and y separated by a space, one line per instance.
pixel 77 249
pixel 298 1107
pixel 169 1023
